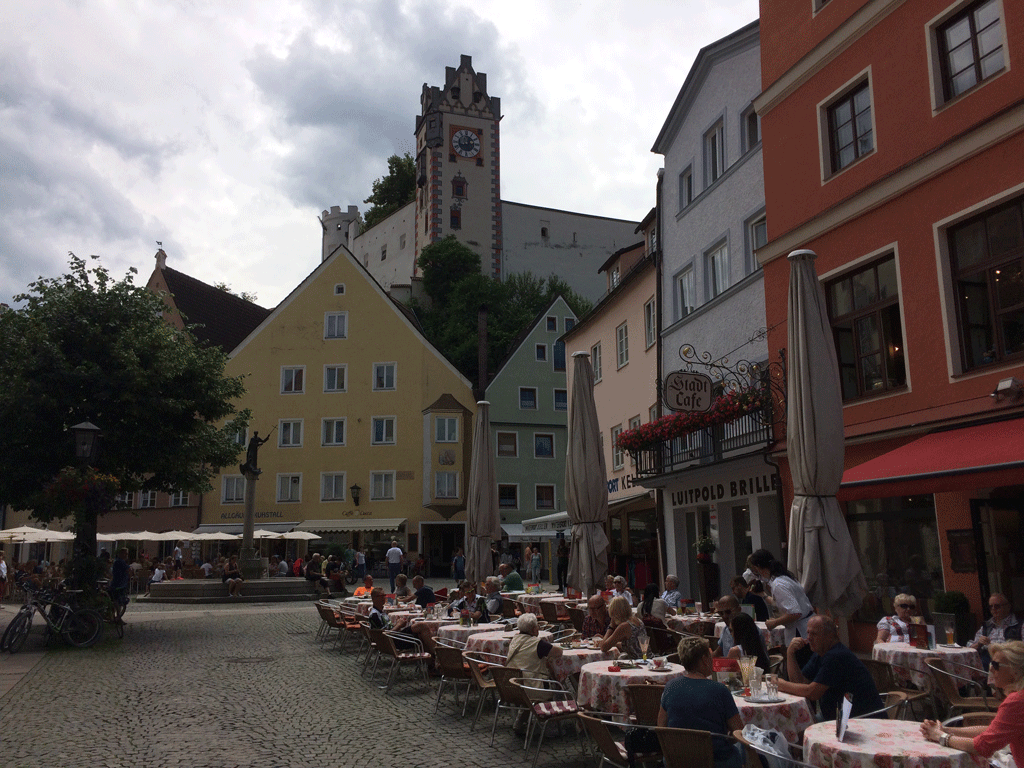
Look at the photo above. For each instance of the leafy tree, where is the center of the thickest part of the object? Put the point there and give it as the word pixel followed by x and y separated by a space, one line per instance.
pixel 393 191
pixel 84 347
pixel 444 263
pixel 247 295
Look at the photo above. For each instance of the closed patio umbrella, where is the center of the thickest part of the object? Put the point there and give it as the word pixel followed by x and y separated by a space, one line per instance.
pixel 482 499
pixel 586 484
pixel 821 551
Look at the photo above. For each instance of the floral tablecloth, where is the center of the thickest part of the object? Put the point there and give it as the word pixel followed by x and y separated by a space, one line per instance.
pixel 790 717
pixel 461 633
pixel 432 625
pixel 532 602
pixel 496 643
pixel 908 662
pixel 873 743
pixel 604 691
pixel 572 661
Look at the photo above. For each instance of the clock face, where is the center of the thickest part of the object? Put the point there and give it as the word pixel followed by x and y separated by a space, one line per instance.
pixel 466 143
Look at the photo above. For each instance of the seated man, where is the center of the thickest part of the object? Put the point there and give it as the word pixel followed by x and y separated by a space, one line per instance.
pixel 671 595
pixel 315 574
pixel 728 606
pixel 511 581
pixel 492 598
pixel 741 590
pixel 423 594
pixel 207 569
pixel 367 588
pixel 832 672
pixel 1001 627
pixel 466 600
pixel 597 620
pixel 282 568
pixel 380 620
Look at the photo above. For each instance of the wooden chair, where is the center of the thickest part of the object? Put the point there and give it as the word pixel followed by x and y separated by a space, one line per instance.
pixel 645 701
pixel 549 702
pixel 453 670
pixel 576 616
pixel 612 751
pixel 947 683
pixel 686 748
pixel 480 670
pixel 509 696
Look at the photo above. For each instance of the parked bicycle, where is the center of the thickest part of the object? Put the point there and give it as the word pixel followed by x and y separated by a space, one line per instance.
pixel 80 627
pixel 113 613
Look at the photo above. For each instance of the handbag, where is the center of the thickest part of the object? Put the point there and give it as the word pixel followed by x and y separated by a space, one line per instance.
pixel 641 741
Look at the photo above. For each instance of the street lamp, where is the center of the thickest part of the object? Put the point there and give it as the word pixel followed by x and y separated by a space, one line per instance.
pixel 86 441
pixel 355 489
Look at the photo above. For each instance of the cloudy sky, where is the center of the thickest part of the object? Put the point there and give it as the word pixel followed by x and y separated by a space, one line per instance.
pixel 223 128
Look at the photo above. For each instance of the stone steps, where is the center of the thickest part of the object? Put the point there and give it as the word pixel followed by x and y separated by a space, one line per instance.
pixel 214 591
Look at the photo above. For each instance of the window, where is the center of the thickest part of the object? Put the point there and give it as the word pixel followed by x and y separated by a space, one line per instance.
pixel 147 499
pixel 686 187
pixel 561 400
pixel 289 488
pixel 570 323
pixel 542 353
pixel 850 134
pixel 334 431
pixel 545 497
pixel 756 237
pixel 552 324
pixel 508 444
pixel 653 413
pixel 332 486
pixel 617 457
pixel 508 496
pixel 335 325
pixel 233 489
pixel 292 380
pixel 339 289
pixel 383 252
pixel 334 378
pixel 383 376
pixel 987 255
pixel 716 263
pixel 687 286
pixel 559 354
pixel 125 500
pixel 456 218
pixel 241 437
pixel 383 430
pixel 179 499
pixel 543 446
pixel 382 486
pixel 289 433
pixel 650 324
pixel 446 485
pixel 401 242
pixel 595 360
pixel 970 47
pixel 447 429
pixel 615 276
pixel 622 345
pixel 527 398
pixel 751 129
pixel 864 309
pixel 714 154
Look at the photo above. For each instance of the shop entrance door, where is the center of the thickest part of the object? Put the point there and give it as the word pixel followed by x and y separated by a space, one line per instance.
pixel 999 542
pixel 439 543
pixel 698 523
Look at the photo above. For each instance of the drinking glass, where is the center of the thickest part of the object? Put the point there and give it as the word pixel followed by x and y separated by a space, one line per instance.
pixel 771 684
pixel 950 634
pixel 746 668
pixel 645 643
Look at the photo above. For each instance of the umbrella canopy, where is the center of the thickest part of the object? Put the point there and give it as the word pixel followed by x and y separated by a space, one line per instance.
pixel 821 551
pixel 299 535
pixel 261 533
pixel 135 536
pixel 586 484
pixel 172 536
pixel 26 534
pixel 482 499
pixel 217 536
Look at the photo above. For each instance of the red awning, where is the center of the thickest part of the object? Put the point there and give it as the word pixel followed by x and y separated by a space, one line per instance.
pixel 980 456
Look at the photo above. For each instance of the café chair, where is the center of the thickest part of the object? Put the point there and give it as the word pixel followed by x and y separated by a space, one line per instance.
pixel 412 653
pixel 947 682
pixel 685 748
pixel 479 667
pixel 663 640
pixel 329 622
pixel 757 757
pixel 508 609
pixel 893 705
pixel 453 670
pixel 576 616
pixel 352 627
pixel 562 635
pixel 775 662
pixel 968 719
pixel 509 696
pixel 645 701
pixel 549 702
pixel 550 613
pixel 886 680
pixel 611 750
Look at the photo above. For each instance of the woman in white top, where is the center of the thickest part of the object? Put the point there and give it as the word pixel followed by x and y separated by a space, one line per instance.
pixel 896 629
pixel 794 606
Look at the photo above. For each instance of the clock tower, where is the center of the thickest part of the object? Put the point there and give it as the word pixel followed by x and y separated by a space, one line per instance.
pixel 457 165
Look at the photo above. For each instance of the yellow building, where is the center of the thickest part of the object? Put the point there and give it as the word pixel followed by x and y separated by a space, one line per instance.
pixel 368 425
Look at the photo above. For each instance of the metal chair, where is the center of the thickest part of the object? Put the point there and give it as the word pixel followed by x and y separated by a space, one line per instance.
pixel 967 719
pixel 886 680
pixel 645 701
pixel 893 705
pixel 576 616
pixel 479 668
pixel 944 681
pixel 686 748
pixel 755 755
pixel 610 750
pixel 551 615
pixel 509 696
pixel 508 608
pixel 386 643
pixel 453 670
pixel 550 702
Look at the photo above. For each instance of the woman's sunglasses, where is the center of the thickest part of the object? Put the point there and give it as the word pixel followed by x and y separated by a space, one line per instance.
pixel 905 605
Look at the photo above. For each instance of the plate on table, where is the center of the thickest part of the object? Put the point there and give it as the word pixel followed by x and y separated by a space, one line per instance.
pixel 763 700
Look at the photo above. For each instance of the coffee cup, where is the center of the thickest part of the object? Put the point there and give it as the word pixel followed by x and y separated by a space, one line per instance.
pixel 657 663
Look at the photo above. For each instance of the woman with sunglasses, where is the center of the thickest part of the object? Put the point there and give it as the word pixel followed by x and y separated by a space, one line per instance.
pixel 1006 672
pixel 896 629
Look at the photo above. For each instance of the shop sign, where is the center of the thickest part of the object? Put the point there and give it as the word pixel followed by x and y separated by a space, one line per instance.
pixel 627 481
pixel 240 515
pixel 729 489
pixel 688 392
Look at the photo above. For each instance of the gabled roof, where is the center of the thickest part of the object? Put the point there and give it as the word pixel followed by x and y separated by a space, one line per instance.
pixel 224 319
pixel 525 334
pixel 615 256
pixel 720 50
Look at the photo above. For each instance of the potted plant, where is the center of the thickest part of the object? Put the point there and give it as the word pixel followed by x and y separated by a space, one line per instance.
pixel 705 547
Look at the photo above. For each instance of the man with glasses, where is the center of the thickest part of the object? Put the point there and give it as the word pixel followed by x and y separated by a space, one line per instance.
pixel 728 606
pixel 1001 627
pixel 597 620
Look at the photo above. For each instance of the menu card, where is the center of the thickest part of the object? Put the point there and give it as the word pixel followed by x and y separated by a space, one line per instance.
pixel 843 716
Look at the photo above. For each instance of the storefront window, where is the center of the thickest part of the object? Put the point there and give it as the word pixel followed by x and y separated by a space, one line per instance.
pixel 898 543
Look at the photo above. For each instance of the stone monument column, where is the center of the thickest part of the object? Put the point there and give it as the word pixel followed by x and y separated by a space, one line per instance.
pixel 249 561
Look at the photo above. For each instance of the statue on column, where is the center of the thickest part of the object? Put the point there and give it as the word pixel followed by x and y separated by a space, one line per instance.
pixel 251 454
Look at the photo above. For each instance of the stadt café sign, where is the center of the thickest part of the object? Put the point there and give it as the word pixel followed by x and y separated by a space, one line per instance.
pixel 687 391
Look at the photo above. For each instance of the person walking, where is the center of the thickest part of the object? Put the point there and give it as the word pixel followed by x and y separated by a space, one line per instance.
pixel 459 565
pixel 563 565
pixel 360 564
pixel 535 565
pixel 394 559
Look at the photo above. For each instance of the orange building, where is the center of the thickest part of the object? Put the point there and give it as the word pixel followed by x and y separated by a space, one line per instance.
pixel 892 135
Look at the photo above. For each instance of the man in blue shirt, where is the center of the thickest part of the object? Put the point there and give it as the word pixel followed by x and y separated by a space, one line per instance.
pixel 832 672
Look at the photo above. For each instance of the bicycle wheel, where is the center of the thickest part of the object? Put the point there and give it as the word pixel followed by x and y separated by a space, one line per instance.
pixel 19 629
pixel 83 627
pixel 5 641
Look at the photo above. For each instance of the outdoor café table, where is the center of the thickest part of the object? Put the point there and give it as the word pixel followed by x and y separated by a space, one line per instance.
pixel 604 691
pixel 908 662
pixel 685 622
pixel 495 643
pixel 770 637
pixel 398 614
pixel 432 625
pixel 790 717
pixel 532 602
pixel 560 601
pixel 572 661
pixel 871 743
pixel 461 632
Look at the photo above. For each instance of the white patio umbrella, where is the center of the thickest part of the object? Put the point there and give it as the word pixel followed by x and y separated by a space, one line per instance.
pixel 586 484
pixel 216 536
pixel 821 551
pixel 172 536
pixel 482 499
pixel 299 536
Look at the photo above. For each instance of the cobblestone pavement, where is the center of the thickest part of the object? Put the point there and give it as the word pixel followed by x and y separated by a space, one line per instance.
pixel 225 685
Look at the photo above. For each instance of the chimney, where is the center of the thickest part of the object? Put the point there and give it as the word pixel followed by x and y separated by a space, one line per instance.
pixel 161 259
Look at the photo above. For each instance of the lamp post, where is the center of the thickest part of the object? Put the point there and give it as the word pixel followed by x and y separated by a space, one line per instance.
pixel 87 437
pixel 87 443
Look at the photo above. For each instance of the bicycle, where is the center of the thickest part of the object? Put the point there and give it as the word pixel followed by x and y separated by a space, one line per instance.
pixel 113 612
pixel 80 627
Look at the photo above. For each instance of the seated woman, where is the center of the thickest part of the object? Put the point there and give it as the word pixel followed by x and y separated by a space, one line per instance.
pixel 653 609
pixel 625 630
pixel 896 629
pixel 693 701
pixel 403 592
pixel 747 640
pixel 1006 673
pixel 233 577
